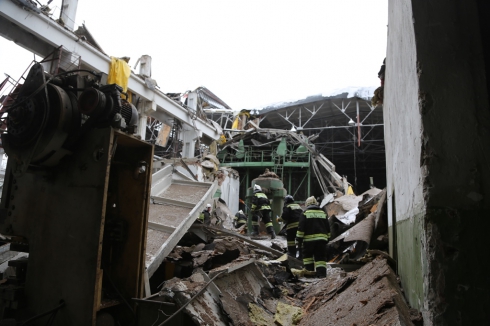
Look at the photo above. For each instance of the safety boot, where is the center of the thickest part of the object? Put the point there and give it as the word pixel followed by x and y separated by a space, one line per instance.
pixel 255 230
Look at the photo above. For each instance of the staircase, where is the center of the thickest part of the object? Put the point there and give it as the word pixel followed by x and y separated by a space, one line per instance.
pixel 176 203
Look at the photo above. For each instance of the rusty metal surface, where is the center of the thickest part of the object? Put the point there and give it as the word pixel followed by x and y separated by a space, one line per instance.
pixel 62 216
pixel 369 296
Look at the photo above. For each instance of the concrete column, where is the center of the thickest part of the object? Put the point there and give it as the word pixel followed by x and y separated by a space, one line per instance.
pixel 437 135
pixel 192 101
pixel 69 13
pixel 189 137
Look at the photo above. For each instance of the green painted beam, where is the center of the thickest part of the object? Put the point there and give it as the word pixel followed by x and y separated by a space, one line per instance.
pixel 297 164
pixel 248 164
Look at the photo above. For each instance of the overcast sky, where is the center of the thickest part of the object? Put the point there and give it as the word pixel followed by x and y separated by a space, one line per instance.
pixel 249 53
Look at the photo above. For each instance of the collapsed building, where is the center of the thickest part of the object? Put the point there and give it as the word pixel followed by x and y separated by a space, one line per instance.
pixel 123 178
pixel 110 236
pixel 299 141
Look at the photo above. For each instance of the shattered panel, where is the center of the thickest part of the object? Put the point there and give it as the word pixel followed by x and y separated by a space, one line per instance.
pixel 241 292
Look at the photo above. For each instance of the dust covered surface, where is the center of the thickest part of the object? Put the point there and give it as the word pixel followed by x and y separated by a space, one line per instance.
pixel 154 240
pixel 368 296
pixel 168 215
pixel 185 193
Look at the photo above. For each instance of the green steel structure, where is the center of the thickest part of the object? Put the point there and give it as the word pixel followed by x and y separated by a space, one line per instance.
pixel 274 189
pixel 290 162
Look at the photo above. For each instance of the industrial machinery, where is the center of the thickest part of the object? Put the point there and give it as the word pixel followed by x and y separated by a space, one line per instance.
pixel 48 114
pixel 75 197
pixel 274 189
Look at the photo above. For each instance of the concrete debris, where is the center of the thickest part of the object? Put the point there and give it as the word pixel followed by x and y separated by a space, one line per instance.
pixel 234 280
pixel 217 253
pixel 259 316
pixel 287 315
pixel 369 296
pixel 356 224
pixel 268 174
pixel 222 215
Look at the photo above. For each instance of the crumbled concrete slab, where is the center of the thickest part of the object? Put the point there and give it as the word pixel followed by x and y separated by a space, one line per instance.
pixel 259 316
pixel 228 244
pixel 368 296
pixel 287 315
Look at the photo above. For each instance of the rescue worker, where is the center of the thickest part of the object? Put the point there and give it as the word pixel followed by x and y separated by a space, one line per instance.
pixel 205 216
pixel 312 236
pixel 239 219
pixel 291 214
pixel 261 209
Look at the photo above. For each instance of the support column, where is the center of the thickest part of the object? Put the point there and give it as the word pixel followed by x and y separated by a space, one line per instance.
pixel 189 138
pixel 69 13
pixel 437 122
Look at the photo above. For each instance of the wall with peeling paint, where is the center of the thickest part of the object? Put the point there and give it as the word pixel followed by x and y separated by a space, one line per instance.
pixel 403 130
pixel 437 123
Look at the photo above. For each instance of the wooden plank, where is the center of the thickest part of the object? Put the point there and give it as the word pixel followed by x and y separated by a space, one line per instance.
pixel 163 135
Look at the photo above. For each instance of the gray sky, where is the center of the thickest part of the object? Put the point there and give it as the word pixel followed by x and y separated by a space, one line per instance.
pixel 249 53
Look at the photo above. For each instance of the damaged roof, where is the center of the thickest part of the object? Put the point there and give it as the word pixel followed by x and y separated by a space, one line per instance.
pixel 357 151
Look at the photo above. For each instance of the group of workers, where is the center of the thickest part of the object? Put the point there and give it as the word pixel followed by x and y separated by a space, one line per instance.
pixel 307 231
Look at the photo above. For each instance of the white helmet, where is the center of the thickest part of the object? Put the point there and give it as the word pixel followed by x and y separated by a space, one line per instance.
pixel 257 187
pixel 208 206
pixel 311 201
pixel 240 211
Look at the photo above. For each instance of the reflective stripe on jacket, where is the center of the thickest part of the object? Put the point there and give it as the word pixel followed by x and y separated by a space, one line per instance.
pixel 260 202
pixel 313 225
pixel 291 214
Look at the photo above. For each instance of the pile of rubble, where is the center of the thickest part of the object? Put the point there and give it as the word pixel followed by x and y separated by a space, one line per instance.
pixel 235 280
pixel 356 224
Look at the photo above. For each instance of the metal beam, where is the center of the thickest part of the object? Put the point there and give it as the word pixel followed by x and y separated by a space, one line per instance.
pixel 26 27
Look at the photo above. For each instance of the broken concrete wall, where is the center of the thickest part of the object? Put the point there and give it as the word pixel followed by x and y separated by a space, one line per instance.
pixel 436 125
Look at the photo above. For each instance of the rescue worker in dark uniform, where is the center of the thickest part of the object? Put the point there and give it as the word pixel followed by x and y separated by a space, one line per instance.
pixel 205 216
pixel 261 208
pixel 291 214
pixel 239 219
pixel 312 235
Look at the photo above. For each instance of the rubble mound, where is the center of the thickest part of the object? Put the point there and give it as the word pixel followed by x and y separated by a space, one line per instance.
pixel 368 296
pixel 268 174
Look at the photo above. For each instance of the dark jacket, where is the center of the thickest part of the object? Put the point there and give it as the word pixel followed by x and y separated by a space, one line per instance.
pixel 291 213
pixel 205 217
pixel 313 225
pixel 240 218
pixel 260 202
